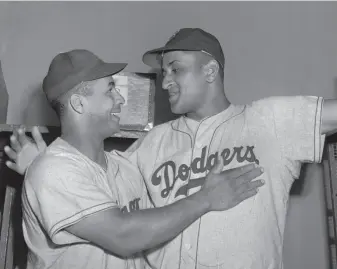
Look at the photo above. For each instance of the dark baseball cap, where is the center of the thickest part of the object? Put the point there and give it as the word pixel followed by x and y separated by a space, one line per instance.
pixel 70 68
pixel 187 39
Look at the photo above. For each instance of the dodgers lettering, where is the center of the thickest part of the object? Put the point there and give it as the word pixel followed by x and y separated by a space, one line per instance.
pixel 169 172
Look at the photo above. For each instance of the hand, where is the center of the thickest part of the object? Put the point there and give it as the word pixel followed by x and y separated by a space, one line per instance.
pixel 23 150
pixel 224 190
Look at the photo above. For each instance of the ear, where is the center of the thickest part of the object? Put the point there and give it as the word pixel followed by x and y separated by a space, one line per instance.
pixel 211 70
pixel 77 103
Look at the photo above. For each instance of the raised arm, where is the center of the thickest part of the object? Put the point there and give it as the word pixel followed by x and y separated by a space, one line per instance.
pixel 128 233
pixel 23 150
pixel 329 117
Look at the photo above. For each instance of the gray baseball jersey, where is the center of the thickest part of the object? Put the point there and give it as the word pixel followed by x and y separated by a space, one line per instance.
pixel 278 134
pixel 62 187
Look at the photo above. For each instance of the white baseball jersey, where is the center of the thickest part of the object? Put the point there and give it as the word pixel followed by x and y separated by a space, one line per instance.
pixel 277 134
pixel 62 187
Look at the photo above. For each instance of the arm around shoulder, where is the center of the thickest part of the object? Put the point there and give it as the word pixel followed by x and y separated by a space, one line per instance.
pixel 126 234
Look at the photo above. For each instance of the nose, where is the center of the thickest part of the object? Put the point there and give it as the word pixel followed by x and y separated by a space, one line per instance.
pixel 119 99
pixel 167 82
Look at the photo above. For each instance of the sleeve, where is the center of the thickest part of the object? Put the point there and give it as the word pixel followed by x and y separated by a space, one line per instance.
pixel 297 122
pixel 65 195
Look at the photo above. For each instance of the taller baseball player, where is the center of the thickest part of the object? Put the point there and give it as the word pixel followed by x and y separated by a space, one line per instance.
pixel 278 133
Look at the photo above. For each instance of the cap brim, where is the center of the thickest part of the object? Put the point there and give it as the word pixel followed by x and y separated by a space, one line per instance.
pixel 105 70
pixel 153 57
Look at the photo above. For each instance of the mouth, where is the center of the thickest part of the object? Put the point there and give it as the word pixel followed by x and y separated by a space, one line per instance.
pixel 115 115
pixel 173 96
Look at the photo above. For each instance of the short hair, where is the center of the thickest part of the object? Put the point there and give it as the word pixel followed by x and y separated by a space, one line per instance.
pixel 59 104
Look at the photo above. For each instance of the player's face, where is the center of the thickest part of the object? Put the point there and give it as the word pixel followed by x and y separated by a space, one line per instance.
pixel 104 105
pixel 184 79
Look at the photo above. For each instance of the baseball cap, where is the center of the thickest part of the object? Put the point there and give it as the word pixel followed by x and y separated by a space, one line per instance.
pixel 70 68
pixel 187 39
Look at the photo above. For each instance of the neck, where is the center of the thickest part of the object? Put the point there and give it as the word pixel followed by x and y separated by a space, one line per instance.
pixel 88 143
pixel 214 103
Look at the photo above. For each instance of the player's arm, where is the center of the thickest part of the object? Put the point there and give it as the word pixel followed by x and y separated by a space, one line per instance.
pixel 329 117
pixel 128 233
pixel 23 150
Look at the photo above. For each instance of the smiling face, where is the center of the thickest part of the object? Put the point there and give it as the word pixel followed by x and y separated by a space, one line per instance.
pixel 104 106
pixel 184 79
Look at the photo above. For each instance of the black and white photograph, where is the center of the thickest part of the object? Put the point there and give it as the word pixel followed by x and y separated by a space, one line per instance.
pixel 168 135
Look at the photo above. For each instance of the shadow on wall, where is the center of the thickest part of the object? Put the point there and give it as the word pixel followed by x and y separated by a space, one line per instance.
pixel 299 185
pixel 38 110
pixel 3 98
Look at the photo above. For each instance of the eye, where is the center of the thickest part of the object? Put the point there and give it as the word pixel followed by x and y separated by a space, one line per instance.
pixel 111 86
pixel 175 70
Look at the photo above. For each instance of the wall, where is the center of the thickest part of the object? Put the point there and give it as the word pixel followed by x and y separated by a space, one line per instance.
pixel 271 48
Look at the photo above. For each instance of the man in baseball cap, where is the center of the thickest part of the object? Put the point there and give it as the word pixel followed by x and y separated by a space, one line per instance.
pixel 70 68
pixel 80 202
pixel 276 133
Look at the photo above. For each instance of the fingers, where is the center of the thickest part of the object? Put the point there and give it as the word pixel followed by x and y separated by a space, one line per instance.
pixel 23 139
pixel 41 144
pixel 218 167
pixel 248 176
pixel 239 171
pixel 12 166
pixel 249 186
pixel 10 153
pixel 246 195
pixel 14 143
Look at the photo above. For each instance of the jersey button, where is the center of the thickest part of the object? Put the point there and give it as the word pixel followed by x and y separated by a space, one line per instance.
pixel 188 246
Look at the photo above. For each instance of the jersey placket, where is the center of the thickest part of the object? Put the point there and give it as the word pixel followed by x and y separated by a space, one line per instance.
pixel 190 235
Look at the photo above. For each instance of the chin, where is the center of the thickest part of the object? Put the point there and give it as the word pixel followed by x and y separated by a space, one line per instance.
pixel 176 109
pixel 114 129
